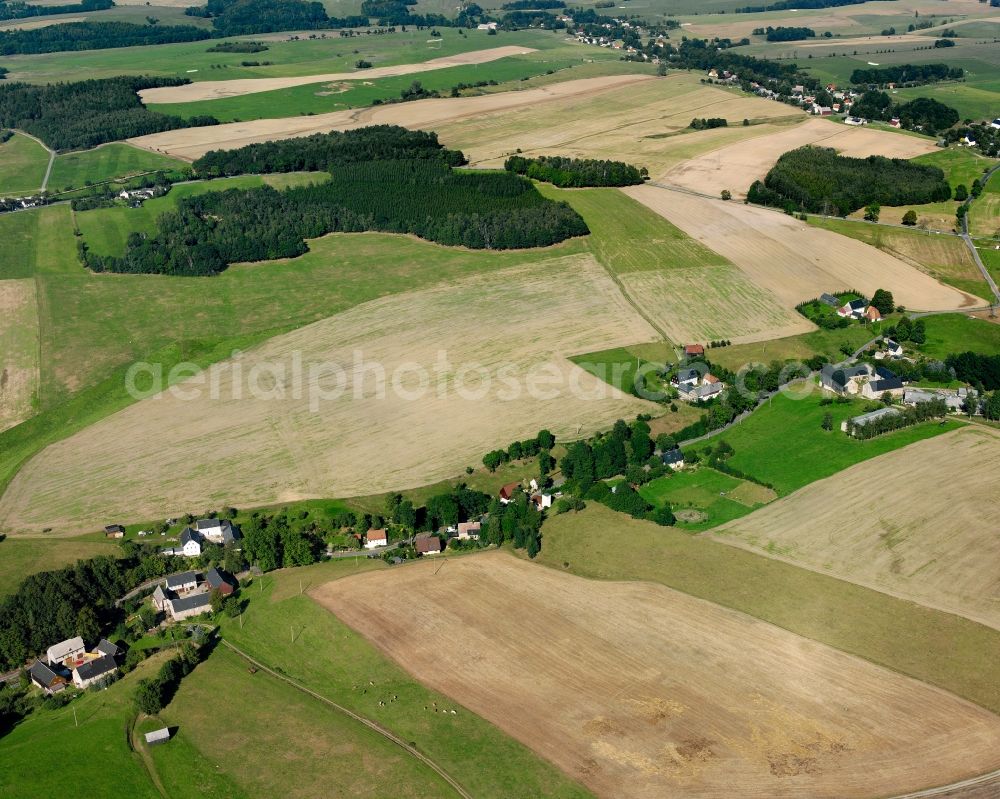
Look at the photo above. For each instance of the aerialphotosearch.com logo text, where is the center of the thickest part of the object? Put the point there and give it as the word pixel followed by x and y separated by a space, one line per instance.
pixel 360 378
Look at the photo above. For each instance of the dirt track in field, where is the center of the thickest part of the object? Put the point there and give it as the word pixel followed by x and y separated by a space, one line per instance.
pixel 191 143
pixel 641 692
pixel 736 166
pixel 924 530
pixel 794 260
pixel 373 426
pixel 218 89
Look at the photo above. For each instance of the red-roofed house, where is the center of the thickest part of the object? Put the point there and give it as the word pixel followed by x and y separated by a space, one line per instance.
pixel 376 538
pixel 693 350
pixel 872 314
pixel 508 491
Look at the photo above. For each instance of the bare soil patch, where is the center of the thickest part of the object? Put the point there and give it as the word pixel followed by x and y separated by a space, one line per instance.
pixel 262 442
pixel 792 259
pixel 217 89
pixel 920 533
pixel 639 691
pixel 736 166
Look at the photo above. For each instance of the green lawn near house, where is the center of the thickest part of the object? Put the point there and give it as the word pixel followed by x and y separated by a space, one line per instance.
pixel 703 498
pixel 82 744
pixel 783 442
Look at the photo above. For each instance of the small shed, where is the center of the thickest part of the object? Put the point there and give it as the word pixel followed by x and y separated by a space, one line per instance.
pixel 158 736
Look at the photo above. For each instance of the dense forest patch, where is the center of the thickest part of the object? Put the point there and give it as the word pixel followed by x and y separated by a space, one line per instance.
pixel 911 74
pixel 818 180
pixel 576 172
pixel 400 193
pixel 322 152
pixel 87 113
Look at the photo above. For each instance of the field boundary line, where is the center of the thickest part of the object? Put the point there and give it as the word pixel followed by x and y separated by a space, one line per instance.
pixel 49 150
pixel 992 778
pixel 372 725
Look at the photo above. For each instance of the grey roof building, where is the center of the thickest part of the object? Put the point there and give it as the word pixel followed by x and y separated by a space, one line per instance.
pixel 105 647
pixel 177 581
pixel 92 670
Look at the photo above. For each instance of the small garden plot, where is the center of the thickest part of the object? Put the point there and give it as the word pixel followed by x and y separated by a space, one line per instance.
pixel 702 498
pixel 824 314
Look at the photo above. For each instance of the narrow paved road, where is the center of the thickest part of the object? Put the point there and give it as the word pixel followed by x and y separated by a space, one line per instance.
pixel 52 156
pixel 972 245
pixel 360 719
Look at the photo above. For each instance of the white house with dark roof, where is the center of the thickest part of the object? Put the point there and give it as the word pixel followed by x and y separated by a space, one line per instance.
pixel 883 381
pixel 70 650
pixel 190 543
pixel 105 647
pixel 191 605
pixel 673 458
pixel 218 531
pixel 855 309
pixel 185 581
pixel 91 671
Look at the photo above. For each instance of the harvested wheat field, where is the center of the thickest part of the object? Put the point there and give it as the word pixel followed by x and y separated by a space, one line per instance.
pixel 641 692
pixel 18 350
pixel 649 122
pixel 166 454
pixel 924 527
pixel 736 166
pixel 705 303
pixel 190 143
pixel 34 24
pixel 792 259
pixel 217 89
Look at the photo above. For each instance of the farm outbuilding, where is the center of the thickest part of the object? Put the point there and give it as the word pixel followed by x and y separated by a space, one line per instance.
pixel 160 736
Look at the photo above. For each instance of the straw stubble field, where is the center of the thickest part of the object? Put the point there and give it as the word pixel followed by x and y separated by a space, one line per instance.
pixel 919 535
pixel 639 691
pixel 166 454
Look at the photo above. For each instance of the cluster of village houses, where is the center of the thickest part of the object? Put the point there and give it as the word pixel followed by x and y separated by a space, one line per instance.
pixel 71 662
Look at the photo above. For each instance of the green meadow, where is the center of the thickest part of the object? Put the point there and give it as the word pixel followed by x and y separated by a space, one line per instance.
pixel 23 162
pixel 107 162
pixel 20 557
pixel 325 97
pixel 327 53
pixel 783 442
pixel 703 498
pixel 81 744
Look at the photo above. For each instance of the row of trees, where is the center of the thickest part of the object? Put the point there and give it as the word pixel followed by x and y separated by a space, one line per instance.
pixel 528 448
pixel 818 180
pixel 519 522
pixel 152 694
pixel 87 113
pixel 785 5
pixel 481 210
pixel 923 113
pixel 785 33
pixel 911 74
pixel 71 36
pixel 708 123
pixel 21 10
pixel 907 417
pixel 576 172
pixel 321 152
